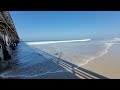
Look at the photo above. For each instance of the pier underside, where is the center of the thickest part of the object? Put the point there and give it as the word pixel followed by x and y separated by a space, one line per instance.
pixel 8 34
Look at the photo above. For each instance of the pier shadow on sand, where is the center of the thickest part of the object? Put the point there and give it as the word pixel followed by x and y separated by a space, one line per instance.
pixel 75 70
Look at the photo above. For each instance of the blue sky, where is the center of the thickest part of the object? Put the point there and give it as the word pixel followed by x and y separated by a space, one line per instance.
pixel 61 25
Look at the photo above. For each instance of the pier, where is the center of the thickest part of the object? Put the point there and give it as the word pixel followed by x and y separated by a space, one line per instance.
pixel 8 34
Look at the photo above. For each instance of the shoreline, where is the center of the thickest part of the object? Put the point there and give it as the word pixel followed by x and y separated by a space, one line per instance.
pixel 101 55
pixel 104 67
pixel 108 64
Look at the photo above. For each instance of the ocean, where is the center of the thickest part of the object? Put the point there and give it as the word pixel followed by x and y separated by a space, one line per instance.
pixel 35 59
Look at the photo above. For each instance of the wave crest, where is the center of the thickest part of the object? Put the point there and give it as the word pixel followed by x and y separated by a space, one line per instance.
pixel 51 42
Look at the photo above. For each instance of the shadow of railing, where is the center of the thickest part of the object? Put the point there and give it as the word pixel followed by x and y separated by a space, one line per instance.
pixel 74 69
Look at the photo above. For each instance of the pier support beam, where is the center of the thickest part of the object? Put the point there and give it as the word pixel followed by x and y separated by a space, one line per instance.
pixel 8 34
pixel 6 54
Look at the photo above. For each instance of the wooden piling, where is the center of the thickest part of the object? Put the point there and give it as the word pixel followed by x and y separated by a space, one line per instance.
pixel 6 54
pixel 7 29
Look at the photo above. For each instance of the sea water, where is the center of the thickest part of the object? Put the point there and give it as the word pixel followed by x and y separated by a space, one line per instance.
pixel 78 52
pixel 33 59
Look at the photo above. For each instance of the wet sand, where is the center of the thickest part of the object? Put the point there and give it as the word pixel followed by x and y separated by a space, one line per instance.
pixel 108 65
pixel 58 75
pixel 104 67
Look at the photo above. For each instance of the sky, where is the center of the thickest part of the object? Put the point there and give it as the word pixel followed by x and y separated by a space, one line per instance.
pixel 66 25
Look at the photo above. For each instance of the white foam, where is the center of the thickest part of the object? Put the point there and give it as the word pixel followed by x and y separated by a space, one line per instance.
pixel 117 39
pixel 107 47
pixel 51 42
pixel 108 44
pixel 114 40
pixel 29 76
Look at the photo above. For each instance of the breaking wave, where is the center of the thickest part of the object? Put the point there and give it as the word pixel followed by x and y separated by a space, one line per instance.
pixel 51 42
pixel 36 62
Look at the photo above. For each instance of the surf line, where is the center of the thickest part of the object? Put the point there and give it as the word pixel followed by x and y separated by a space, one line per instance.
pixel 51 42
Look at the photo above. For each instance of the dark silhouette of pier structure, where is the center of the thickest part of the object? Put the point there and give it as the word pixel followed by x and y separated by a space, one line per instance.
pixel 8 34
